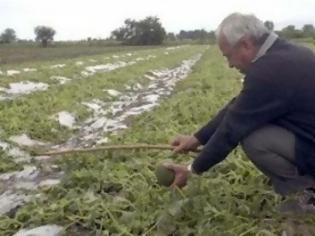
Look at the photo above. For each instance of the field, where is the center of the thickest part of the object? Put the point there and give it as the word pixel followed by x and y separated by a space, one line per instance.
pixel 125 97
pixel 21 53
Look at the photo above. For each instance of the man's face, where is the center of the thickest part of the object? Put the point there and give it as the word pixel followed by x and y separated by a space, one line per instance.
pixel 240 55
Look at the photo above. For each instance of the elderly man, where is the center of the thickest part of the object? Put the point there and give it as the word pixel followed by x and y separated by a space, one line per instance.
pixel 273 117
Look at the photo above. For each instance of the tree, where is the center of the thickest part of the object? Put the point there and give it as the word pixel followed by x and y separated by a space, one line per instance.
pixel 44 35
pixel 290 32
pixel 269 24
pixel 308 30
pixel 150 31
pixel 171 36
pixel 212 37
pixel 144 32
pixel 199 35
pixel 8 36
pixel 119 34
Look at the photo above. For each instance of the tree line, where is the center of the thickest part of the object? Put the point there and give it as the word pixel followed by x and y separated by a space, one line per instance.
pixel 43 34
pixel 149 31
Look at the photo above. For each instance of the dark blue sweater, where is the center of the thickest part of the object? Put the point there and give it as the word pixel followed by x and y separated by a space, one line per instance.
pixel 279 88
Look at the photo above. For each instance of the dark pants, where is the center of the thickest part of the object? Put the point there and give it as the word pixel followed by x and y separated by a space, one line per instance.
pixel 272 150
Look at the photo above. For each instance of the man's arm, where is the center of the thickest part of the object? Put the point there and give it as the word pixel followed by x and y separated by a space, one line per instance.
pixel 261 101
pixel 204 134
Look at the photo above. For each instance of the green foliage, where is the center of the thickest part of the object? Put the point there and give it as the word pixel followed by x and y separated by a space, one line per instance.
pixel 25 53
pixel 7 163
pixel 309 31
pixel 290 32
pixel 116 193
pixel 8 36
pixel 32 114
pixel 201 36
pixel 44 34
pixel 148 31
pixel 171 36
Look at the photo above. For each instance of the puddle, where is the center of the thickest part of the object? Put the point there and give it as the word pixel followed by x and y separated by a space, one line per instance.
pixel 174 48
pixel 13 72
pixel 110 117
pixel 31 177
pixel 19 155
pixel 60 79
pixel 15 152
pixel 152 98
pixel 43 158
pixel 79 63
pixel 27 87
pixel 95 105
pixel 10 201
pixel 21 88
pixel 18 184
pixel 149 77
pixel 49 182
pixel 102 141
pixel 91 70
pixel 4 145
pixel 28 173
pixel 24 140
pixel 66 119
pixel 57 66
pixel 137 86
pixel 25 185
pixel 29 69
pixel 45 230
pixel 112 92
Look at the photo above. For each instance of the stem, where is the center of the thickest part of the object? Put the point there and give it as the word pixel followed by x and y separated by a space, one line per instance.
pixel 111 147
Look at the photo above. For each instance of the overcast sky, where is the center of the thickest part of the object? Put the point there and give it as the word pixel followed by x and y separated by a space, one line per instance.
pixel 79 19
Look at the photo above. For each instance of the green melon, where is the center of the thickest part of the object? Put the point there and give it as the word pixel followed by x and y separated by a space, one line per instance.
pixel 164 176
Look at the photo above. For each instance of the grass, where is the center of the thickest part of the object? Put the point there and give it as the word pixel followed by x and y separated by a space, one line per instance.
pixel 21 54
pixel 115 193
pixel 7 164
pixel 32 113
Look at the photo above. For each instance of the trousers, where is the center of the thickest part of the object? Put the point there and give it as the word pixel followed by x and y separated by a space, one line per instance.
pixel 272 150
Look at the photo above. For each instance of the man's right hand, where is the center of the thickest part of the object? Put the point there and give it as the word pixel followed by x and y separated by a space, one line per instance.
pixel 181 174
pixel 185 143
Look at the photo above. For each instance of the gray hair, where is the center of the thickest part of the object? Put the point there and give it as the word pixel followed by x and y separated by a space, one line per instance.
pixel 237 25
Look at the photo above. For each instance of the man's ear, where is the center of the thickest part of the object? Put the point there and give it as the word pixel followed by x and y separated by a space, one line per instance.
pixel 247 43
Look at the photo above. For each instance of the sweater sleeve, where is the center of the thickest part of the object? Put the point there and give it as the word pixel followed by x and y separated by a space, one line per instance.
pixel 260 101
pixel 204 134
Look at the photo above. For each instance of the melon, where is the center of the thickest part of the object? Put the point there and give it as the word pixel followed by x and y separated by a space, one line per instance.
pixel 164 176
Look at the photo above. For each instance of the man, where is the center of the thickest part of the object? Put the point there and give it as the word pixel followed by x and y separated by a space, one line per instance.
pixel 273 117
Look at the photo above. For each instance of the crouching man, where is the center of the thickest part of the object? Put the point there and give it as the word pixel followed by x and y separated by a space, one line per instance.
pixel 273 117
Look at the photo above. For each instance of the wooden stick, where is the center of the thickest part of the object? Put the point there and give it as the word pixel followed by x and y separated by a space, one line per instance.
pixel 111 147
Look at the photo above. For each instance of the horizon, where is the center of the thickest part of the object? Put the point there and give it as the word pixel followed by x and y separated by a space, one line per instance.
pixel 79 20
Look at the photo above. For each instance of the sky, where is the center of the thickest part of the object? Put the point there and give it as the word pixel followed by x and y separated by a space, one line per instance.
pixel 80 19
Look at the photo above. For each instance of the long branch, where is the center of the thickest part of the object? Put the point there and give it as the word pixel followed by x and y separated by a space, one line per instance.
pixel 112 147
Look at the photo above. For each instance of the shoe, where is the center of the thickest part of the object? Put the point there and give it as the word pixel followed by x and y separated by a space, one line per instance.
pixel 303 202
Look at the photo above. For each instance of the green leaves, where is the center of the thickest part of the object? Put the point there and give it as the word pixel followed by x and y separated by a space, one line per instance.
pixel 7 163
pixel 116 193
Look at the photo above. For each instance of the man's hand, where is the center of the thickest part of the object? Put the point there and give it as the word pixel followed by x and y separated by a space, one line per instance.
pixel 185 143
pixel 181 174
